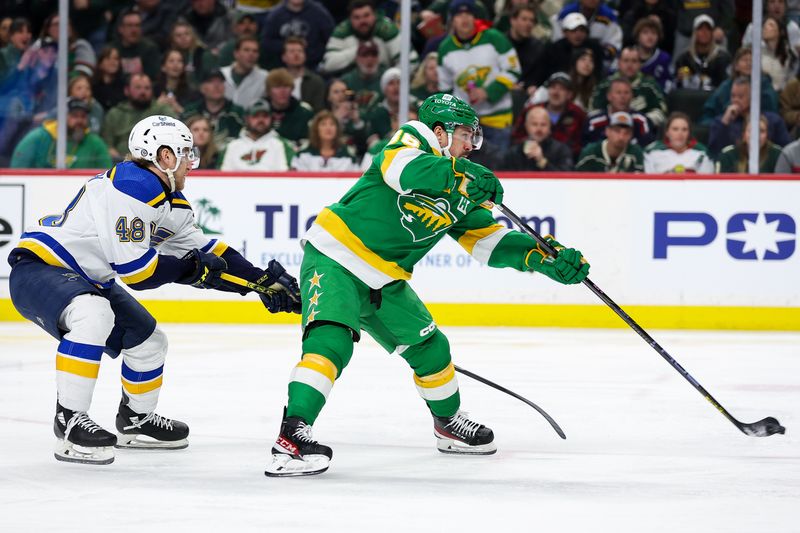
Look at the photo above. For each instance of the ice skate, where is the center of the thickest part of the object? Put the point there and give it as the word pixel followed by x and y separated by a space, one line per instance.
pixel 80 440
pixel 149 431
pixel 296 453
pixel 458 434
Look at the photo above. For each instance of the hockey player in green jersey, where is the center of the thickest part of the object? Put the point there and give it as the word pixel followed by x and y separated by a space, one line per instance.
pixel 359 255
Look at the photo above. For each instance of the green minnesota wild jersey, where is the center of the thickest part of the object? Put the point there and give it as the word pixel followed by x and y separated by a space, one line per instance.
pixel 407 201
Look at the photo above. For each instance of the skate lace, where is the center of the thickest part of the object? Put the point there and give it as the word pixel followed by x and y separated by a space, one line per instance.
pixel 303 432
pixel 463 425
pixel 82 420
pixel 156 420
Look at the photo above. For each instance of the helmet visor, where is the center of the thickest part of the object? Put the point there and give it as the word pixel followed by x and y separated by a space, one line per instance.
pixel 191 153
pixel 473 136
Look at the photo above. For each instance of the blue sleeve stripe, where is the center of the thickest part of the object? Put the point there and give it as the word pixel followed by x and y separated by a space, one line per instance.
pixel 82 351
pixel 64 255
pixel 135 376
pixel 209 246
pixel 136 264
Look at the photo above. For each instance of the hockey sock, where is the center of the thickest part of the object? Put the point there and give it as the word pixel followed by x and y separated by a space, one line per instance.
pixel 434 374
pixel 142 372
pixel 326 351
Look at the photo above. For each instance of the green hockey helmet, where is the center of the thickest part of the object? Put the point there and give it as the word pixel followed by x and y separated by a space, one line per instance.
pixel 449 111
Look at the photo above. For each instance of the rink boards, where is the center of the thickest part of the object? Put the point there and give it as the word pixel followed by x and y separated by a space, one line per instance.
pixel 697 252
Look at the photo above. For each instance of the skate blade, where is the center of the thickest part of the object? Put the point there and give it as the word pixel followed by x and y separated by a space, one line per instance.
pixel 143 442
pixel 284 465
pixel 455 447
pixel 73 453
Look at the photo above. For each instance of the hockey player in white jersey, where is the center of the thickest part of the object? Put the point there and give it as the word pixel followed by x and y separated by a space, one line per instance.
pixel 133 223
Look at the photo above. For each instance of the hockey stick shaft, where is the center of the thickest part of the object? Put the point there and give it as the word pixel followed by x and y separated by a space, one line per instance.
pixel 765 427
pixel 541 411
pixel 236 280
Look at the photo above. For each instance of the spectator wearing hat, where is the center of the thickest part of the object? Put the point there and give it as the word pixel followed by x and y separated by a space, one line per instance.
pixel 619 97
pixel 306 19
pixel 19 39
pixel 656 62
pixel 122 117
pixel 617 152
pixel 226 118
pixel 363 24
pixel 678 152
pixel 566 118
pixel 704 64
pixel 480 67
pixel 290 116
pixel 308 85
pixel 539 151
pixel 211 22
pixel 258 147
pixel 365 79
pixel 529 49
pixel 84 148
pixel 721 11
pixel 138 54
pixel 381 116
pixel 648 99
pixel 244 25
pixel 559 53
pixel 244 79
pixel 601 21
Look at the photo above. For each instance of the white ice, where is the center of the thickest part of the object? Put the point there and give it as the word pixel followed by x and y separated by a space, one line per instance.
pixel 644 451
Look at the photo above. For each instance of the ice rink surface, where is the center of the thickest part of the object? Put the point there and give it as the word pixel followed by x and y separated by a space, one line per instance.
pixel 644 451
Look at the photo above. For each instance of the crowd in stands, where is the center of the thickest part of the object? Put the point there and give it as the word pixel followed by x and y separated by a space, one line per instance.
pixel 655 86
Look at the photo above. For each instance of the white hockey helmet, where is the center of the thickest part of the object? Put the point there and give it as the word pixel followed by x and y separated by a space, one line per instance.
pixel 153 132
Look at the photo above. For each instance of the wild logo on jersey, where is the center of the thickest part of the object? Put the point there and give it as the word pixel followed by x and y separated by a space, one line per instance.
pixel 424 217
pixel 472 74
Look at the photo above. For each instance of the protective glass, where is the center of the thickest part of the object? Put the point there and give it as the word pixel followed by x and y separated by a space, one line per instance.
pixel 192 155
pixel 474 137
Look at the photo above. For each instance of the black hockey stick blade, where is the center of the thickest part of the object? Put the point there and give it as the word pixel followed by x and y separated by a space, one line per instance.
pixel 541 411
pixel 762 428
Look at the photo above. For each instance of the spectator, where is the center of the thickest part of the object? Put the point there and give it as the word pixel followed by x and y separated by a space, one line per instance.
pixel 138 54
pixel 211 22
pixel 720 99
pixel 122 117
pixel 365 79
pixel 619 97
pixel 789 160
pixel 326 150
pixel 540 151
pixel 704 64
pixel 655 62
pixel 80 88
pixel 81 55
pixel 542 30
pixel 777 10
pixel 778 59
pixel 226 118
pixel 157 18
pixel 19 39
pixel 84 148
pixel 245 25
pixel 559 53
pixel 678 153
pixel 290 116
pixel 426 77
pixel 727 128
pixel 173 87
pixel 482 73
pixel 343 105
pixel 244 79
pixel 258 146
pixel 721 11
pixel 380 117
pixel 198 59
pixel 308 86
pixel 790 106
pixel 5 30
pixel 616 153
pixel 662 11
pixel 647 96
pixel 581 75
pixel 529 49
pixel 363 24
pixel 203 136
pixel 734 158
pixel 108 83
pixel 602 24
pixel 299 18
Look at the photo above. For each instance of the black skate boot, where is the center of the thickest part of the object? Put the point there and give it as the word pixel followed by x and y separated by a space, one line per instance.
pixel 80 440
pixel 149 430
pixel 296 453
pixel 459 434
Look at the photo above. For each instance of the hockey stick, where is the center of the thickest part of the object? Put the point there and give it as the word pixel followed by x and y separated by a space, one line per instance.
pixel 542 412
pixel 763 428
pixel 236 280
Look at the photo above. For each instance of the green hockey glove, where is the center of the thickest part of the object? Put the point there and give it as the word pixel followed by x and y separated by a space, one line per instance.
pixel 482 184
pixel 568 267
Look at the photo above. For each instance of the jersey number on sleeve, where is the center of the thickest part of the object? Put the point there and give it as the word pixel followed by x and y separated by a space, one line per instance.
pixel 132 233
pixel 405 138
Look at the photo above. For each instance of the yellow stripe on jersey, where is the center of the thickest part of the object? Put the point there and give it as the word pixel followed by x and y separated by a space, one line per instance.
pixel 42 253
pixel 113 173
pixel 141 388
pixel 219 248
pixel 79 368
pixel 509 84
pixel 436 380
pixel 470 237
pixel 330 222
pixel 388 157
pixel 501 120
pixel 157 199
pixel 180 201
pixel 142 274
pixel 319 363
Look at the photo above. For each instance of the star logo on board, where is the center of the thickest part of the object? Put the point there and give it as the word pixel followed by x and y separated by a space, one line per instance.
pixel 315 299
pixel 312 315
pixel 761 236
pixel 315 279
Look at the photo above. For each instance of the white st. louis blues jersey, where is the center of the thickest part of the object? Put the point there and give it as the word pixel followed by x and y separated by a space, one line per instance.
pixel 117 225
